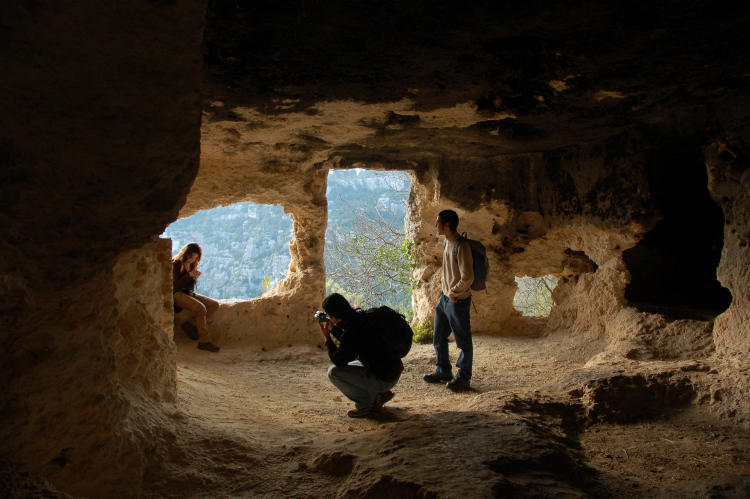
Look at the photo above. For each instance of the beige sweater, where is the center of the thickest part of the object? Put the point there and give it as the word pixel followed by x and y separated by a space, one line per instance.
pixel 457 275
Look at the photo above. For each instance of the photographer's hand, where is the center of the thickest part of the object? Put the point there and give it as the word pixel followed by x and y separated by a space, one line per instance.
pixel 325 329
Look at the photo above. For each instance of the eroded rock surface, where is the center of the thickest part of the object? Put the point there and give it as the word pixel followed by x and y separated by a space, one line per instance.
pixel 100 141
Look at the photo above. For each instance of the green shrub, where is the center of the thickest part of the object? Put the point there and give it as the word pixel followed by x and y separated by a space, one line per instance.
pixel 423 333
pixel 266 284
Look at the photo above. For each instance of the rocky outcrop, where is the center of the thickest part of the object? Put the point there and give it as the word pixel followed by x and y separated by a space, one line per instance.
pixel 144 348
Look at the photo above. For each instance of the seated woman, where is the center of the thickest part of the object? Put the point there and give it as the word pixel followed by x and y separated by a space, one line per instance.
pixel 184 275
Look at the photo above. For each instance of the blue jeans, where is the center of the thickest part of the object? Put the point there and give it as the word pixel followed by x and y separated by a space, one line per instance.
pixel 454 317
pixel 358 384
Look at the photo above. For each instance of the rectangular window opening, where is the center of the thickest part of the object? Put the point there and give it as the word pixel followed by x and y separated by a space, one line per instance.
pixel 368 258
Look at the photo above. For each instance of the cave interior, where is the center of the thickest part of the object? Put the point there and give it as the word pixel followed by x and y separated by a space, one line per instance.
pixel 579 139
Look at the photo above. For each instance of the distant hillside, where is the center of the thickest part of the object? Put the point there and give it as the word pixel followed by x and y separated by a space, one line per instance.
pixel 245 242
pixel 241 244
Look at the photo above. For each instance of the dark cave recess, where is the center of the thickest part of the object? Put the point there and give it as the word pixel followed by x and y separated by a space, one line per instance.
pixel 673 268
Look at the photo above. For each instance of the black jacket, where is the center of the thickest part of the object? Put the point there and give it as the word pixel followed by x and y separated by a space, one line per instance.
pixel 357 340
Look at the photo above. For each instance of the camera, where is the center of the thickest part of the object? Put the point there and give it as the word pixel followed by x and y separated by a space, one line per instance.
pixel 321 316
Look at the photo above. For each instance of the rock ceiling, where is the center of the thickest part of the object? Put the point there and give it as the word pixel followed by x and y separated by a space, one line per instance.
pixel 392 81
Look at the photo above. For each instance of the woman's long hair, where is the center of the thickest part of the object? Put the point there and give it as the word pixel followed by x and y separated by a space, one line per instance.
pixel 187 250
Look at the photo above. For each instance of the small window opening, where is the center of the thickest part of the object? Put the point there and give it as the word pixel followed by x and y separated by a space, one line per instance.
pixel 534 295
pixel 245 248
pixel 368 258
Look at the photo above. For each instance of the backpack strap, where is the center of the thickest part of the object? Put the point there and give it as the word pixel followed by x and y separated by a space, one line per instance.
pixel 461 239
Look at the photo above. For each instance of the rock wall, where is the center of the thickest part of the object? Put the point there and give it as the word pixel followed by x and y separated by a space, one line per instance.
pixel 730 334
pixel 572 214
pixel 729 394
pixel 100 142
pixel 144 347
pixel 532 212
pixel 235 169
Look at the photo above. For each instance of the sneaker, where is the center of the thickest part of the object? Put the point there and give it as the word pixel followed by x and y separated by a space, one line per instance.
pixel 383 398
pixel 190 330
pixel 209 346
pixel 359 413
pixel 457 384
pixel 437 377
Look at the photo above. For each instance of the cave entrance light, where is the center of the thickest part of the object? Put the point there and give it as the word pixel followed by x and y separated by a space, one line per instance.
pixel 368 258
pixel 534 295
pixel 245 248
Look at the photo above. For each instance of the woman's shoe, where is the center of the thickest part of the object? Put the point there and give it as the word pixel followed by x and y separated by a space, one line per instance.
pixel 209 346
pixel 190 330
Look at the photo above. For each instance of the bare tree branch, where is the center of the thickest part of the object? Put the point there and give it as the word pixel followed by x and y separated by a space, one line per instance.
pixel 371 259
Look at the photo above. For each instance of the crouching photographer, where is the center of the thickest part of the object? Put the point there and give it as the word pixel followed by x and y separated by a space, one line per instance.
pixel 365 370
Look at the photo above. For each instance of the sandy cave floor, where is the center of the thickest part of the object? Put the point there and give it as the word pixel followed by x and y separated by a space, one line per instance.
pixel 269 424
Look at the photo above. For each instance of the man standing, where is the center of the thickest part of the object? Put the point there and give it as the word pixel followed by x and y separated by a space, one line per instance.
pixel 364 369
pixel 454 308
